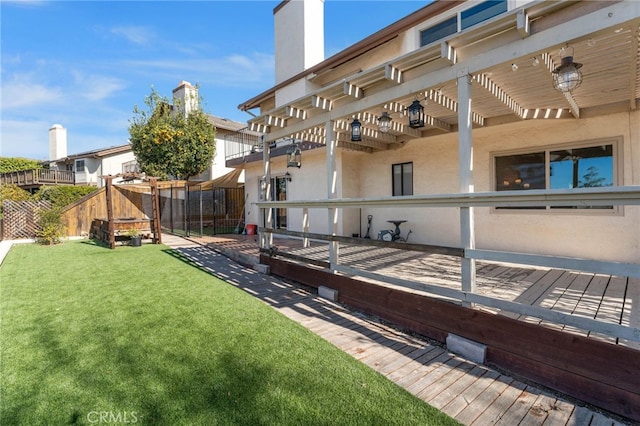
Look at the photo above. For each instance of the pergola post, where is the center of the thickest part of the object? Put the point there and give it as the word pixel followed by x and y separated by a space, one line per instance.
pixel 332 185
pixel 266 214
pixel 109 198
pixel 465 165
pixel 305 226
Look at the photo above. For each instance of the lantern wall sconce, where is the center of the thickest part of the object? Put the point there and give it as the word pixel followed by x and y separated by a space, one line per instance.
pixel 416 115
pixel 567 77
pixel 287 177
pixel 384 122
pixel 294 156
pixel 356 130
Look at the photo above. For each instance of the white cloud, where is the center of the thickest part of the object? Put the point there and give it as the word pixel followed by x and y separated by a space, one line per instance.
pixel 135 34
pixel 96 87
pixel 23 91
pixel 233 70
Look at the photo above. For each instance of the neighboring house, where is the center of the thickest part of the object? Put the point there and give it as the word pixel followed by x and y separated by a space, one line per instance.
pixel 492 121
pixel 91 165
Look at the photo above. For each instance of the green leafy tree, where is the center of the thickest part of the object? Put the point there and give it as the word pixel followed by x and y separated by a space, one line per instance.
pixel 167 143
pixel 16 164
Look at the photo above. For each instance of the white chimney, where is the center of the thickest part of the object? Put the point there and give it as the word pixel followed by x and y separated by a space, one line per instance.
pixel 299 36
pixel 185 97
pixel 57 142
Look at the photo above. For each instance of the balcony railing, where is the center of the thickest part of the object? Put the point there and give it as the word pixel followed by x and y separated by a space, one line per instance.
pixel 36 177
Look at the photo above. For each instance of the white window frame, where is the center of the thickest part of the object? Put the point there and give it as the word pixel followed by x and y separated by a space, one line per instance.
pixel 618 161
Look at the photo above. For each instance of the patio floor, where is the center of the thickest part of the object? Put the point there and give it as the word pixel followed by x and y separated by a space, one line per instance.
pixel 613 299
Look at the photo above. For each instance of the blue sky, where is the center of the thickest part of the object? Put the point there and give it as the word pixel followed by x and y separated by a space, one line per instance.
pixel 85 65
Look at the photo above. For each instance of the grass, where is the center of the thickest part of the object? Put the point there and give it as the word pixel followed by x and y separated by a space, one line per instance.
pixel 136 335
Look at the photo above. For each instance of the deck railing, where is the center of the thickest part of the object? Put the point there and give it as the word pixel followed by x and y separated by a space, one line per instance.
pixel 623 195
pixel 38 177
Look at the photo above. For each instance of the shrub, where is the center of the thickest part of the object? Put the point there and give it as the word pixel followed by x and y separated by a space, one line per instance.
pixel 62 196
pixel 16 164
pixel 52 228
pixel 12 193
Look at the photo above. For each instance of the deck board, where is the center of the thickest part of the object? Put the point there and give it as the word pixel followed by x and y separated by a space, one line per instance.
pixel 485 400
pixel 501 404
pixel 520 407
pixel 631 310
pixel 611 304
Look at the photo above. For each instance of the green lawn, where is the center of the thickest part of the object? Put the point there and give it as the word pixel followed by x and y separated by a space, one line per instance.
pixel 136 335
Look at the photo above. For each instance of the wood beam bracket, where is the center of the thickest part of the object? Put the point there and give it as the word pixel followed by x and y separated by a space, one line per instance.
pixel 271 120
pixel 448 52
pixel 296 113
pixel 353 90
pixel 393 74
pixel 322 103
pixel 523 24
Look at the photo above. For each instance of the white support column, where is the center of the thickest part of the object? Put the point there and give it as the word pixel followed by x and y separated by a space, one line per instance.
pixel 332 182
pixel 465 165
pixel 266 214
pixel 305 226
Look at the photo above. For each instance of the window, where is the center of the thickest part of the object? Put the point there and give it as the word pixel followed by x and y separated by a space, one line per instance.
pixel 482 12
pixel 402 176
pixel 469 17
pixel 130 167
pixel 588 165
pixel 441 30
pixel 79 166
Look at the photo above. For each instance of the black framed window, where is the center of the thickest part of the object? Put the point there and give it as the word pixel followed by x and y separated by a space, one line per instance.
pixel 482 12
pixel 568 167
pixel 402 177
pixel 439 31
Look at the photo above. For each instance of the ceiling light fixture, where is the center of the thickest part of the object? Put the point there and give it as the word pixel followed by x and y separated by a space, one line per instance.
pixel 356 130
pixel 384 122
pixel 567 77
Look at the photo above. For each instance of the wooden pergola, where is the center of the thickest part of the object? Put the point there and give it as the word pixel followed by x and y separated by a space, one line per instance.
pixel 114 223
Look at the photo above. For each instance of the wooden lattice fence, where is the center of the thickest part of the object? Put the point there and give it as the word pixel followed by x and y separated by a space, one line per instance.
pixel 21 218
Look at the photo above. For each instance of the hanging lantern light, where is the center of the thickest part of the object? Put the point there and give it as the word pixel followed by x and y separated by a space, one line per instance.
pixel 416 115
pixel 384 122
pixel 294 156
pixel 567 77
pixel 356 130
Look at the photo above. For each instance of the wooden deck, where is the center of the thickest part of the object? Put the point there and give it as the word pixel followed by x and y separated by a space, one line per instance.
pixel 37 177
pixel 471 393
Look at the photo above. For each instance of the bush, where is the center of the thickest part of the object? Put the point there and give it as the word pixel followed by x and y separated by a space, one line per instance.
pixel 52 228
pixel 62 196
pixel 16 164
pixel 12 193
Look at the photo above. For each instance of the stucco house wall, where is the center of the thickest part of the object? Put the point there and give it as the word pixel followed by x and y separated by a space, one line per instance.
pixel 612 235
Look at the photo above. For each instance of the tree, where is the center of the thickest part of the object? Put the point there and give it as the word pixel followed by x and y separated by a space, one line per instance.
pixel 592 179
pixel 167 143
